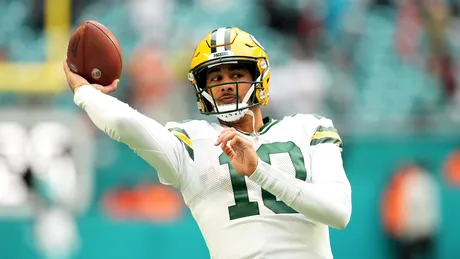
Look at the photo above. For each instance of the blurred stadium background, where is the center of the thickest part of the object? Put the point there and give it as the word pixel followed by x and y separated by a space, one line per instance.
pixel 385 71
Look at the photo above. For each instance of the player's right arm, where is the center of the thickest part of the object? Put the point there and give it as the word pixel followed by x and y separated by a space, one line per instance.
pixel 157 145
pixel 160 147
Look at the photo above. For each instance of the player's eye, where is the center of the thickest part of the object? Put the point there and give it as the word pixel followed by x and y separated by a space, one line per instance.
pixel 215 78
pixel 237 75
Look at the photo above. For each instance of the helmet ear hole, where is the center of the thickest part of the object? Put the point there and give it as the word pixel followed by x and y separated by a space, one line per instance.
pixel 201 79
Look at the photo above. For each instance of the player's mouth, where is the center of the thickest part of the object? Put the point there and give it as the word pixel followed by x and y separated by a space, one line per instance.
pixel 227 99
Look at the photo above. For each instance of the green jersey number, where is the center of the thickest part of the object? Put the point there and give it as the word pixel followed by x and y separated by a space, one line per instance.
pixel 243 207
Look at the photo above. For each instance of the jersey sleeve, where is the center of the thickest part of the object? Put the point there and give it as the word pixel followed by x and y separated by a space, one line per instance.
pixel 157 145
pixel 325 153
pixel 327 199
pixel 325 133
pixel 326 164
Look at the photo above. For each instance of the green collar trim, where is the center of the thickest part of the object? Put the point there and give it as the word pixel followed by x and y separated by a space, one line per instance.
pixel 268 123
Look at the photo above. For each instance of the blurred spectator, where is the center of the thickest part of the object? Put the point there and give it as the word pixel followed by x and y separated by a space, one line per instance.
pixel 411 212
pixel 441 64
pixel 281 18
pixel 299 85
pixel 452 168
pixel 408 29
pixel 303 22
pixel 153 19
pixel 429 19
pixel 146 201
pixel 153 89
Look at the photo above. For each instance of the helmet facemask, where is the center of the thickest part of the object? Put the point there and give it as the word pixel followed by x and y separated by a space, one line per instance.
pixel 228 112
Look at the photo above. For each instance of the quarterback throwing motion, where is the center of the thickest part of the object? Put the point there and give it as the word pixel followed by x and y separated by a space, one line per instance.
pixel 257 187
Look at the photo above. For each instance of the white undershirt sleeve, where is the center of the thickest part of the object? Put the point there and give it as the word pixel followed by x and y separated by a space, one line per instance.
pixel 149 139
pixel 326 200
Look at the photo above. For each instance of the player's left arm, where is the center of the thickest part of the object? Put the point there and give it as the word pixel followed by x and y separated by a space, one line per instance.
pixel 326 200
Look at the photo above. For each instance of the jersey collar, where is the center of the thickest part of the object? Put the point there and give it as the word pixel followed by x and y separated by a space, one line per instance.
pixel 268 123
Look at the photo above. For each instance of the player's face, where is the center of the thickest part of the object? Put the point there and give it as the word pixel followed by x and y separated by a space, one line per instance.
pixel 226 94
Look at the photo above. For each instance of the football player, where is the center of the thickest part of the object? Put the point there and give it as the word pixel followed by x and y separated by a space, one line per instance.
pixel 257 187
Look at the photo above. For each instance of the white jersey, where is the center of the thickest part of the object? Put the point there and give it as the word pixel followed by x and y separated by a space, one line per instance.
pixel 282 211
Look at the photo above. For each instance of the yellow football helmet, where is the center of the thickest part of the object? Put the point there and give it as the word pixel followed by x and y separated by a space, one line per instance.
pixel 230 45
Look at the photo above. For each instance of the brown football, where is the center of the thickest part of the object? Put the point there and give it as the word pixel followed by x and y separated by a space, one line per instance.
pixel 94 53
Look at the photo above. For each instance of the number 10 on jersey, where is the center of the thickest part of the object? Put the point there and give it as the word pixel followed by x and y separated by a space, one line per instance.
pixel 243 207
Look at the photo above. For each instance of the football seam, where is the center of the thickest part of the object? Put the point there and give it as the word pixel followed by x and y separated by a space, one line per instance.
pixel 113 43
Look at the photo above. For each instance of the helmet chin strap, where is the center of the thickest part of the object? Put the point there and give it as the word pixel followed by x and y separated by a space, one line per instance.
pixel 254 133
pixel 227 111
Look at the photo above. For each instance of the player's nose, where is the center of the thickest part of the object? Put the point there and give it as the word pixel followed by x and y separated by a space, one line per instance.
pixel 230 85
pixel 228 88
